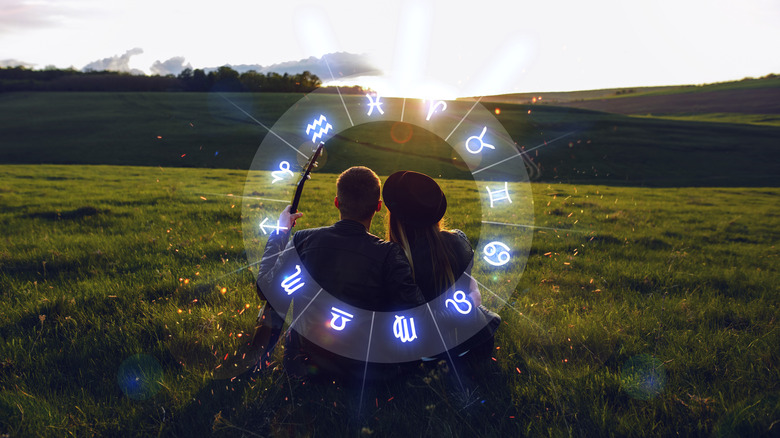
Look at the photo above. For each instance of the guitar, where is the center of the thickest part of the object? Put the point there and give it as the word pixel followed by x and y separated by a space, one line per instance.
pixel 304 176
pixel 256 355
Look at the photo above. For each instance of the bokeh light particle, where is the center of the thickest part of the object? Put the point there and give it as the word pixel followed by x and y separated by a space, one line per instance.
pixel 139 376
pixel 643 377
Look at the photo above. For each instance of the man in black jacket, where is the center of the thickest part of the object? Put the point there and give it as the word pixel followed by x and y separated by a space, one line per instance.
pixel 349 263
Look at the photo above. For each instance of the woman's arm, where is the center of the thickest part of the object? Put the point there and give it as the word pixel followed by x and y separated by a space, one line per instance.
pixel 474 294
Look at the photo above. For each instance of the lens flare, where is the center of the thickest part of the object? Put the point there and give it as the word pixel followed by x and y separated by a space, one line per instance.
pixel 643 377
pixel 401 132
pixel 139 376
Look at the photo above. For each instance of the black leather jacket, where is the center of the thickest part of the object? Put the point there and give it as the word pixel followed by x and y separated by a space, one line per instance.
pixel 349 263
pixel 352 265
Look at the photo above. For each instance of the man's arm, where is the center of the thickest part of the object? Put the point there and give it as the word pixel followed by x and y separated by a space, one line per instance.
pixel 277 244
pixel 270 321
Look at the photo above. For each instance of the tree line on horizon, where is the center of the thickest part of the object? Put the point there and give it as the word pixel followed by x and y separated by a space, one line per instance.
pixel 223 79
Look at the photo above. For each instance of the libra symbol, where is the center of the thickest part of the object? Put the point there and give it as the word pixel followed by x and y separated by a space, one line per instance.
pixel 341 316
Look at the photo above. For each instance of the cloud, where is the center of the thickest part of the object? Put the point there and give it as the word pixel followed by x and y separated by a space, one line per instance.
pixel 120 63
pixel 5 63
pixel 342 64
pixel 172 66
pixel 21 14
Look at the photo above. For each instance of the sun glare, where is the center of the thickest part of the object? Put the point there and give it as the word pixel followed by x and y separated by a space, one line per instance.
pixel 387 86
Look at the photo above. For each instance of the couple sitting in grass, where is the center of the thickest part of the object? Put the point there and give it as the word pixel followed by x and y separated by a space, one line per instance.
pixel 418 262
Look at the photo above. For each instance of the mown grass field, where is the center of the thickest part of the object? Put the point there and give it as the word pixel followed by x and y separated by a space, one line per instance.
pixel 644 311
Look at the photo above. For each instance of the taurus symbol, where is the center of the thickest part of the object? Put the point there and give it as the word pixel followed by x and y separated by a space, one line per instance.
pixel 482 144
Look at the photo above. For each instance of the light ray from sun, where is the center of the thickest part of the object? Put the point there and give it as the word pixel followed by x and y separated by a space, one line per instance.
pixel 230 195
pixel 252 264
pixel 464 118
pixel 506 303
pixel 438 330
pixel 365 367
pixel 546 143
pixel 292 324
pixel 338 90
pixel 536 227
pixel 266 128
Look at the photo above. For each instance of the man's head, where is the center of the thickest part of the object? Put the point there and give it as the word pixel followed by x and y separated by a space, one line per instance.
pixel 357 193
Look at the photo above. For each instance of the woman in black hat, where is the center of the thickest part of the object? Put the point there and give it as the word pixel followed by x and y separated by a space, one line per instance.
pixel 416 206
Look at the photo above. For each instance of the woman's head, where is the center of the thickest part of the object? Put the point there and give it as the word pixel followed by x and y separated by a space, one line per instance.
pixel 414 199
pixel 416 206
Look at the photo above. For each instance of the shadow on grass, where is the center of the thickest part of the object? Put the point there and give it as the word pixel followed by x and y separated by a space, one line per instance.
pixel 77 214
pixel 428 401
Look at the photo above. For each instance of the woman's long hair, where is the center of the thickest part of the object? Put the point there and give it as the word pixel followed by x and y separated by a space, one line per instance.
pixel 441 262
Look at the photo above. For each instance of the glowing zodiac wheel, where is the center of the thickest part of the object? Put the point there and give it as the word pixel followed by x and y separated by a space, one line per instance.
pixel 480 145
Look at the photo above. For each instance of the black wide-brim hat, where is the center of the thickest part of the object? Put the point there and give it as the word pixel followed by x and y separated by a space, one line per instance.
pixel 414 198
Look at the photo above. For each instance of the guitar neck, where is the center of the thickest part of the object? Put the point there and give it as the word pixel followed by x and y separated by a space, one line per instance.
pixel 297 198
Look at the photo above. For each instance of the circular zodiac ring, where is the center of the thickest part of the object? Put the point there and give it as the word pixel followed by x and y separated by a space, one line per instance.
pixel 479 144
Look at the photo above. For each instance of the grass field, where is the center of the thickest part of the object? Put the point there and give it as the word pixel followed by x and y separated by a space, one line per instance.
pixel 749 101
pixel 204 130
pixel 643 311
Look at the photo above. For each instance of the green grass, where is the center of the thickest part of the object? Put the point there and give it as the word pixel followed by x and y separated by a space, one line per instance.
pixel 737 118
pixel 205 131
pixel 99 263
pixel 769 81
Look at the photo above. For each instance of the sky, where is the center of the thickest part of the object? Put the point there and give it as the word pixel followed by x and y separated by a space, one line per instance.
pixel 426 48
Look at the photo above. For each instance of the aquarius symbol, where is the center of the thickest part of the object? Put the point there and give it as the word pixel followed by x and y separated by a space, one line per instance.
pixel 482 144
pixel 293 282
pixel 341 316
pixel 276 227
pixel 401 329
pixel 374 104
pixel 284 169
pixel 462 299
pixel 503 194
pixel 318 123
pixel 432 108
pixel 491 249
